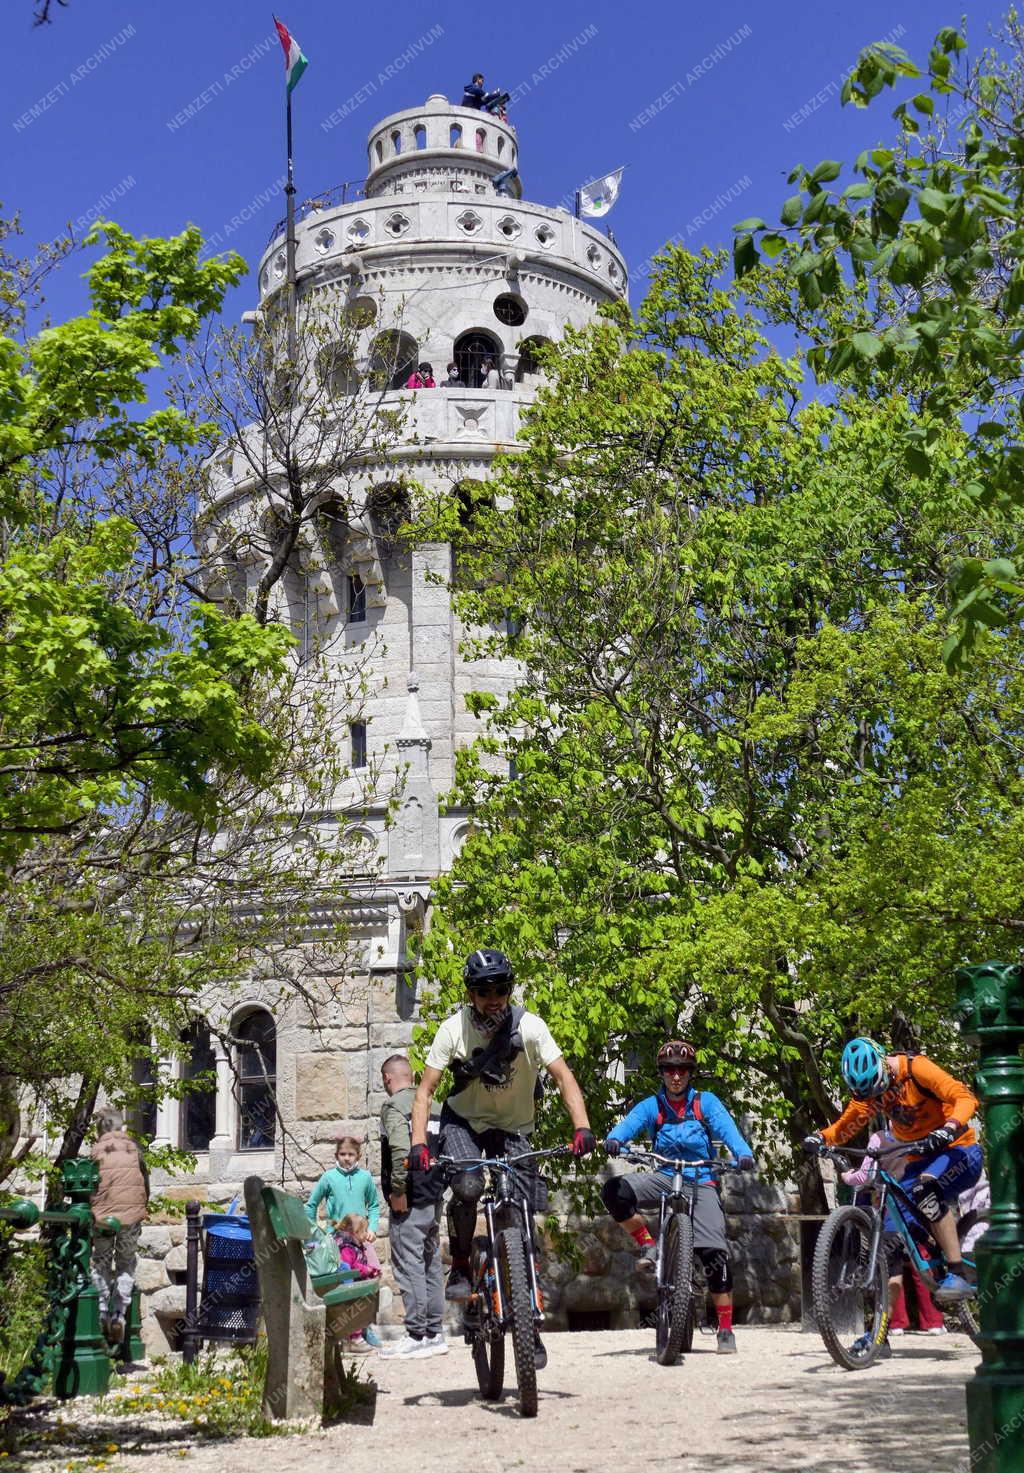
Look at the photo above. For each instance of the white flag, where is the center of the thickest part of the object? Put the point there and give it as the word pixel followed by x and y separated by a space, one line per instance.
pixel 597 197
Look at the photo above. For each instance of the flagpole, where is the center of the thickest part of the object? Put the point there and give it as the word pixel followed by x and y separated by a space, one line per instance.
pixel 577 205
pixel 289 191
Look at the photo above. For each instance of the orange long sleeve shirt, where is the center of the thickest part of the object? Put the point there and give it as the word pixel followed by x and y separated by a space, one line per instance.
pixel 920 1099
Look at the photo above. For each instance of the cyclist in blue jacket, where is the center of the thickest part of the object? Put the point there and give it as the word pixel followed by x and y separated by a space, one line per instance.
pixel 682 1123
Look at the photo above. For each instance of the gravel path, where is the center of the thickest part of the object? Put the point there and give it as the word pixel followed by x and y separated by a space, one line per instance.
pixel 780 1404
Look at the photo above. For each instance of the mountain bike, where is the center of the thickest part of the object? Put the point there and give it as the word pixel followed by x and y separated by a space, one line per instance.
pixel 505 1295
pixel 677 1305
pixel 850 1273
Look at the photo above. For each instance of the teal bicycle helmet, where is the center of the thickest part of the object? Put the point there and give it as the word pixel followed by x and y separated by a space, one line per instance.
pixel 864 1068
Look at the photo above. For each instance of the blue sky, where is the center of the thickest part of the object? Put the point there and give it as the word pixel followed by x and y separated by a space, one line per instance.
pixel 160 114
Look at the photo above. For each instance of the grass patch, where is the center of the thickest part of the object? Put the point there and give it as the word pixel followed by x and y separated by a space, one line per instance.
pixel 217 1395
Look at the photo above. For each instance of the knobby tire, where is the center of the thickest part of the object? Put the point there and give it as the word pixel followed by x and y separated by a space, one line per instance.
pixel 675 1293
pixel 840 1260
pixel 515 1288
pixel 489 1342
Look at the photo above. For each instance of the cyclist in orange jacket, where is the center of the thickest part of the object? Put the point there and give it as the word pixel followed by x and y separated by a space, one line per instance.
pixel 922 1103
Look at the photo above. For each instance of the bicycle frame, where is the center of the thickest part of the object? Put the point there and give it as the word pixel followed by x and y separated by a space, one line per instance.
pixel 500 1197
pixel 904 1215
pixel 682 1196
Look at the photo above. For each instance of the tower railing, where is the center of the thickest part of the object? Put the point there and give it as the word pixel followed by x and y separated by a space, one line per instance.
pixel 340 194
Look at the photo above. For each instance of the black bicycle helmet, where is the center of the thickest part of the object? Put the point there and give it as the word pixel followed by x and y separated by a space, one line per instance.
pixel 487 966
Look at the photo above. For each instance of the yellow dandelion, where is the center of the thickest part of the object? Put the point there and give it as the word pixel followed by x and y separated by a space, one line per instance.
pixel 111 1447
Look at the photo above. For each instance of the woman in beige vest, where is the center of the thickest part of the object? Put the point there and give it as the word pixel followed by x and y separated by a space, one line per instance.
pixel 123 1192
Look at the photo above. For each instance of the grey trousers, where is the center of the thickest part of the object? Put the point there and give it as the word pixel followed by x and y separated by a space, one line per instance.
pixel 114 1256
pixel 416 1264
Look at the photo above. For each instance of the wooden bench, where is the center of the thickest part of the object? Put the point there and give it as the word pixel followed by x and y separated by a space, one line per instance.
pixel 308 1320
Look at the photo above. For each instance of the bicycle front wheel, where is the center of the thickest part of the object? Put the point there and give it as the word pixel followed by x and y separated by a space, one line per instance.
pixel 488 1335
pixel 515 1288
pixel 851 1306
pixel 675 1292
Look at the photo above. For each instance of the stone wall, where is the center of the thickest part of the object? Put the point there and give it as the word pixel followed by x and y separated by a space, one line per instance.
pixel 764 1235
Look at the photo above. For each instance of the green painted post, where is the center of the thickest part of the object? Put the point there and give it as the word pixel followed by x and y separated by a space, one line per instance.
pixel 132 1347
pixel 990 1011
pixel 84 1368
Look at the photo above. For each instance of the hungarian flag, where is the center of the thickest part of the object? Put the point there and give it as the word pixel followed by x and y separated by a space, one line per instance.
pixel 294 61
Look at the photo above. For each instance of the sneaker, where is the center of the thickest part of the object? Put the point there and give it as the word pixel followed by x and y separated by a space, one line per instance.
pixel 400 1349
pixel 862 1345
pixel 895 1330
pixel 359 1345
pixel 540 1355
pixel 437 1343
pixel 458 1285
pixel 648 1260
pixel 954 1290
pixel 937 1330
pixel 371 1337
pixel 115 1330
pixel 726 1342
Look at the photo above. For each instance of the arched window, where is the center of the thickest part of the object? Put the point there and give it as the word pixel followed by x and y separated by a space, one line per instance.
pixel 471 352
pixel 198 1105
pixel 143 1112
pixel 396 141
pixel 455 136
pixel 380 151
pixel 481 139
pixel 501 145
pixel 393 357
pixel 338 371
pixel 420 135
pixel 529 363
pixel 255 1040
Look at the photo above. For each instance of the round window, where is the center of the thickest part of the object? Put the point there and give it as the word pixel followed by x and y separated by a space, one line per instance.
pixel 510 310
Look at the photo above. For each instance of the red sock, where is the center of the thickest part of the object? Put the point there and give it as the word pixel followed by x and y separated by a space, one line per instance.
pixel 724 1313
pixel 641 1235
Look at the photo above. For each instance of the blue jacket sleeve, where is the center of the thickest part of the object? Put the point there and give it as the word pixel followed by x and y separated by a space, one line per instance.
pixel 638 1122
pixel 722 1125
pixel 372 1203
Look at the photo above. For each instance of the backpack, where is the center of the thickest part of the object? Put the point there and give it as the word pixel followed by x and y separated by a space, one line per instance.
pixel 489 1063
pixel 694 1111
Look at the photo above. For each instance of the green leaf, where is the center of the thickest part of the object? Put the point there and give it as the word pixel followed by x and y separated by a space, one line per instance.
pixel 792 209
pixel 754 223
pixel 826 171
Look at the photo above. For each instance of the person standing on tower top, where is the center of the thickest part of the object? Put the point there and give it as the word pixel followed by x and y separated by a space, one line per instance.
pixel 473 95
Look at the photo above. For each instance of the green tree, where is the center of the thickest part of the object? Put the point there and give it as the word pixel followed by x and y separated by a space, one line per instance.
pixel 164 757
pixel 932 229
pixel 749 802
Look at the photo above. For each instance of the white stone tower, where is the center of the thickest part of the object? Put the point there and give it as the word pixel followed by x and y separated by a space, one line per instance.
pixel 432 264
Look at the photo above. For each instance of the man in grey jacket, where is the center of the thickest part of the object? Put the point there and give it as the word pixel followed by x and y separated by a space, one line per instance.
pixel 415 1202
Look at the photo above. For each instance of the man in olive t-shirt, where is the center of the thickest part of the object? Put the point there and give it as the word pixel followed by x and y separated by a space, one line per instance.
pixel 496 1058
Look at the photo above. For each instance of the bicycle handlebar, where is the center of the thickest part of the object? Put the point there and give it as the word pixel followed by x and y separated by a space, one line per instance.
pixel 876 1153
pixel 471 1163
pixel 644 1154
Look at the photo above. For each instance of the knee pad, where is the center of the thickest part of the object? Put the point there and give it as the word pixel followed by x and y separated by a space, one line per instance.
pixel 925 1197
pixel 468 1187
pixel 619 1197
pixel 717 1270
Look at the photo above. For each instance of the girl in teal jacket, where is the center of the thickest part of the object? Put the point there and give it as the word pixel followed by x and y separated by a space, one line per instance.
pixel 346 1188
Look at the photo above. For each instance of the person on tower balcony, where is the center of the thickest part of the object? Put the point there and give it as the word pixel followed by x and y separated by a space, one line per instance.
pixel 503 182
pixel 473 95
pixel 422 377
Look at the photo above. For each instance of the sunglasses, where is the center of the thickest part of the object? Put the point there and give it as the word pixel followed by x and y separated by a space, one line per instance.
pixel 676 1069
pixel 492 989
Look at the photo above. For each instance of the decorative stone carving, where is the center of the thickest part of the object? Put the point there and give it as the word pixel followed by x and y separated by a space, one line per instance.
pixel 396 224
pixel 323 240
pixel 469 222
pixel 509 227
pixel 359 232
